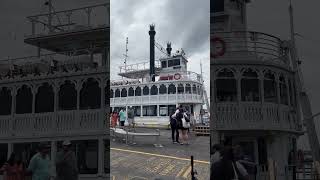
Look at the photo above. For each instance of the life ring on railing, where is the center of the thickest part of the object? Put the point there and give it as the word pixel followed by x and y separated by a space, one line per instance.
pixel 218 41
pixel 177 76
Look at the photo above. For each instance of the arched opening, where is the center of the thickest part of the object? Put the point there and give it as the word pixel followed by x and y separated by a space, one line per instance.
pixel 67 96
pixel 172 89
pixel 24 100
pixel 131 91
pixel 283 90
pixel 138 91
pixel 226 86
pixel 124 92
pixel 5 101
pixel 146 90
pixel 250 86
pixel 154 90
pixel 188 89
pixel 90 95
pixel 111 93
pixel 270 87
pixel 180 89
pixel 194 89
pixel 44 99
pixel 117 93
pixel 163 89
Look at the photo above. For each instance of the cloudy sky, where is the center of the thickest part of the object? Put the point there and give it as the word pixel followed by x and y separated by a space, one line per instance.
pixel 271 16
pixel 185 23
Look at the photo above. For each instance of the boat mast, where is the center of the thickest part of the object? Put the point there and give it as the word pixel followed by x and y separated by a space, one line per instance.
pixel 126 56
pixel 303 100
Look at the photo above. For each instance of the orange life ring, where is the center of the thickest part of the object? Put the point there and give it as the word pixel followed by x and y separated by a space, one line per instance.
pixel 215 40
pixel 177 76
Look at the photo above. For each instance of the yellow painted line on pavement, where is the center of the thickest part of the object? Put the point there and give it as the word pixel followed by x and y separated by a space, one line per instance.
pixel 160 155
pixel 181 172
pixel 187 172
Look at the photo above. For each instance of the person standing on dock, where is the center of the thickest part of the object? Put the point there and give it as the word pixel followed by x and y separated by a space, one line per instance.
pixel 174 129
pixel 39 166
pixel 66 163
pixel 122 115
pixel 131 117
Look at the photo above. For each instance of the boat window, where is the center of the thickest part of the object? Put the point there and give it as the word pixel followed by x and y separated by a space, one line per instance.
pixel 171 109
pixel 226 86
pixel 180 89
pixel 117 93
pixel 270 88
pixel 3 154
pixel 67 96
pixel 24 100
pixel 131 92
pixel 137 110
pixel 5 101
pixel 146 90
pixel 124 92
pixel 111 93
pixel 90 95
pixel 283 90
pixel 138 91
pixel 150 110
pixel 154 90
pixel 172 89
pixel 106 94
pixel 194 89
pixel 163 64
pixel 173 62
pixel 250 86
pixel 45 99
pixel 188 89
pixel 163 110
pixel 163 89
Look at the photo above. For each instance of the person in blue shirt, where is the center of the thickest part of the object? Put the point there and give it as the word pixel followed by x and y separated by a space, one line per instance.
pixel 39 165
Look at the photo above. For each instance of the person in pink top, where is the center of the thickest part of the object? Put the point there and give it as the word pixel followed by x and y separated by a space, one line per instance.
pixel 13 169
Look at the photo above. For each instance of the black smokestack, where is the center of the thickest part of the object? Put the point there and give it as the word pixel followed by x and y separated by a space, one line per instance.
pixel 169 49
pixel 152 33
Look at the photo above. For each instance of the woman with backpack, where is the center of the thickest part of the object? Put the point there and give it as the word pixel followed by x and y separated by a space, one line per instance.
pixel 183 124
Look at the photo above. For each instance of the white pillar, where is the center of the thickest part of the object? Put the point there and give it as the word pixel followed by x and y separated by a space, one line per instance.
pixel 141 109
pixel 158 109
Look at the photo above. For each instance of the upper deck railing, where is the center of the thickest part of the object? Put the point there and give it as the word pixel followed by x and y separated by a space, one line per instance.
pixel 263 47
pixel 85 18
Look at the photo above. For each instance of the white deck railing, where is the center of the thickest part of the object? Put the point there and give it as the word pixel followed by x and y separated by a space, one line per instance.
pixel 156 99
pixel 257 116
pixel 52 124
